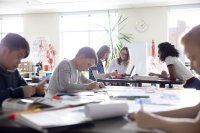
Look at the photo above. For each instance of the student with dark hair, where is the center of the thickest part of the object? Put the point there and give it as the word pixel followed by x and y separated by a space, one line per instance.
pixel 177 70
pixel 184 120
pixel 120 64
pixel 13 49
pixel 68 75
pixel 98 71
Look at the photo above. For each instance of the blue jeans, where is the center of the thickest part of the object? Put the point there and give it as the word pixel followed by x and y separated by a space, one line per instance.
pixel 194 84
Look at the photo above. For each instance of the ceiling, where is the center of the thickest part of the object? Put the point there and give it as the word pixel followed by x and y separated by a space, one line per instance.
pixel 45 6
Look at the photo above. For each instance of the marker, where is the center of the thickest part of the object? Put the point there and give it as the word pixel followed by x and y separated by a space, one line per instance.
pixel 13 115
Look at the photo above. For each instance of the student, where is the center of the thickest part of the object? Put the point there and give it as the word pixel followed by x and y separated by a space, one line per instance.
pixel 67 76
pixel 14 48
pixel 185 120
pixel 168 54
pixel 98 72
pixel 120 64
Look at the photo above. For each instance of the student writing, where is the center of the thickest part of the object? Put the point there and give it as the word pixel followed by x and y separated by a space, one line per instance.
pixel 68 74
pixel 14 48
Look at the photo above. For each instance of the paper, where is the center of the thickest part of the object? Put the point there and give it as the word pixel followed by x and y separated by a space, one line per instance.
pixel 102 111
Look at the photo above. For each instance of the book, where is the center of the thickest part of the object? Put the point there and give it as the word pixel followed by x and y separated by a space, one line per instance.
pixel 68 118
pixel 16 104
pixel 55 120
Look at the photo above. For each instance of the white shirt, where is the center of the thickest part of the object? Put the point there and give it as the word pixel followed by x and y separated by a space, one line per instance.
pixel 115 66
pixel 181 71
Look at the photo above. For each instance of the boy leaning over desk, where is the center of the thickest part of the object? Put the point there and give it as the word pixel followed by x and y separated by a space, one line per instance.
pixel 68 75
pixel 14 48
pixel 184 120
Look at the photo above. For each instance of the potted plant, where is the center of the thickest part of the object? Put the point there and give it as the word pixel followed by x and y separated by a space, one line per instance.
pixel 115 37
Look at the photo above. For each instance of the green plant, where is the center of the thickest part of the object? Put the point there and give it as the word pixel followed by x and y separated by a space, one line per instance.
pixel 115 37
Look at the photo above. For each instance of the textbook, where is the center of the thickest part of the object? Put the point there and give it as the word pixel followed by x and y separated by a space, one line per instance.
pixel 12 104
pixel 55 120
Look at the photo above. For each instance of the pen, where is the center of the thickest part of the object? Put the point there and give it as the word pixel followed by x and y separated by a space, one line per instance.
pixel 141 105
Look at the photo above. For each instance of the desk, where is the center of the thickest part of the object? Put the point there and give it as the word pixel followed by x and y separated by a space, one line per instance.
pixel 188 97
pixel 139 82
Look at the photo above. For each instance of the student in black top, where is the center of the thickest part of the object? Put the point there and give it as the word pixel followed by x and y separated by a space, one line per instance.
pixel 14 48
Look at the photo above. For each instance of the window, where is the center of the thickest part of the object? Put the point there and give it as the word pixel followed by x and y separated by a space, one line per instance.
pixel 78 30
pixel 180 21
pixel 12 24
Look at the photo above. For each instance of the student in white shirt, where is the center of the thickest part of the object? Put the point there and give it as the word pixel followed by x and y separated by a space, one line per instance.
pixel 185 120
pixel 120 64
pixel 177 70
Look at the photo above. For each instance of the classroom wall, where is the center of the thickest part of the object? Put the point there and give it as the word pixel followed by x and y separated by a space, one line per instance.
pixel 43 25
pixel 36 25
pixel 156 19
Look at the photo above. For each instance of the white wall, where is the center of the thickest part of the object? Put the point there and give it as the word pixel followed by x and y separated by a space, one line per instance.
pixel 48 25
pixel 156 19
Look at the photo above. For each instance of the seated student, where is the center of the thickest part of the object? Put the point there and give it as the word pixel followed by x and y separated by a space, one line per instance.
pixel 168 54
pixel 13 49
pixel 185 120
pixel 120 64
pixel 97 71
pixel 68 77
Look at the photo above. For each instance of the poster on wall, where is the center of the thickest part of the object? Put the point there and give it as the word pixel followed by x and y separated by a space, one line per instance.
pixel 42 50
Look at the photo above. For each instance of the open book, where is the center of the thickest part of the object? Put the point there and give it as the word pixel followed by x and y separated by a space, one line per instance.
pixel 12 104
pixel 55 120
pixel 67 118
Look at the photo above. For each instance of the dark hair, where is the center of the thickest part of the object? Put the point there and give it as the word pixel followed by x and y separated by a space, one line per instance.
pixel 166 49
pixel 88 52
pixel 102 51
pixel 119 60
pixel 14 41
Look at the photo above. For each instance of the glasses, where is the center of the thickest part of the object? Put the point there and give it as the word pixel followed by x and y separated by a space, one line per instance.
pixel 123 53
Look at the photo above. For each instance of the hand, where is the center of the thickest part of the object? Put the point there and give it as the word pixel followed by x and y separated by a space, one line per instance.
pixel 164 74
pixel 101 85
pixel 145 120
pixel 41 87
pixel 93 85
pixel 28 90
pixel 152 74
pixel 132 116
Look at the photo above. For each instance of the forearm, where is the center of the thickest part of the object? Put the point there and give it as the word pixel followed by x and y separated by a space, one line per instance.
pixel 99 75
pixel 174 125
pixel 74 87
pixel 188 112
pixel 11 93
